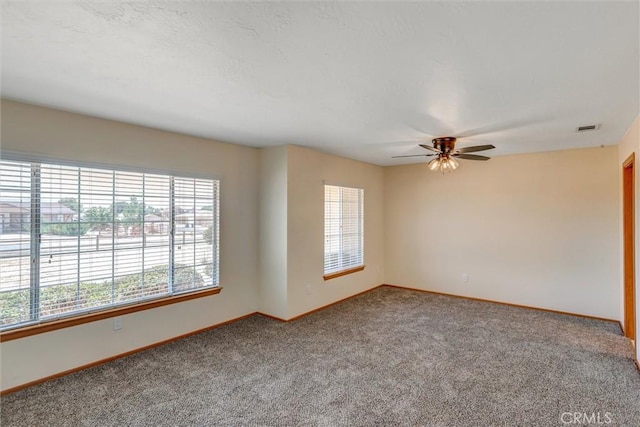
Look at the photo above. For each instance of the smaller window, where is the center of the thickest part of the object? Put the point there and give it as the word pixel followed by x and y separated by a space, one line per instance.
pixel 343 229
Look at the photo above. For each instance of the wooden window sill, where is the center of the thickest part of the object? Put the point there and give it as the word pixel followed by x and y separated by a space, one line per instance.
pixel 343 272
pixel 53 325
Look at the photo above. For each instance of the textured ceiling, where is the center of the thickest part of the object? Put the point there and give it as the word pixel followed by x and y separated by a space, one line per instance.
pixel 363 80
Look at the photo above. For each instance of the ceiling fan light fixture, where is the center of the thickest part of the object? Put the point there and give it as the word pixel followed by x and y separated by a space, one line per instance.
pixel 443 164
pixel 434 164
pixel 453 163
pixel 448 164
pixel 446 160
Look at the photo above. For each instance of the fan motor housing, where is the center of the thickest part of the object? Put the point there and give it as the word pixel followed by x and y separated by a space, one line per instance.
pixel 445 144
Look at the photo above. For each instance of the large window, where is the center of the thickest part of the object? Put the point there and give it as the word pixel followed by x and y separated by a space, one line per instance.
pixel 343 229
pixel 77 239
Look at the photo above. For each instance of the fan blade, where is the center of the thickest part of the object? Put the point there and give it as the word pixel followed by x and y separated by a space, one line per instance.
pixel 429 147
pixel 414 155
pixel 475 148
pixel 470 157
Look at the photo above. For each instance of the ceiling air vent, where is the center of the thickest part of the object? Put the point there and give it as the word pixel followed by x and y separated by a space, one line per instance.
pixel 587 128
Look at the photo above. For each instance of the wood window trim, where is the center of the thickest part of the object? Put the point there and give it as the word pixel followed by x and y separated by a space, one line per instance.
pixel 343 272
pixel 54 325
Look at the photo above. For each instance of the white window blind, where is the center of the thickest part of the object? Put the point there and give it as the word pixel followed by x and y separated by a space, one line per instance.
pixel 15 242
pixel 77 239
pixel 343 228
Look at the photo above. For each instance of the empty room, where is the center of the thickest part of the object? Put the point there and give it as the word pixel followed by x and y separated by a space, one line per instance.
pixel 319 213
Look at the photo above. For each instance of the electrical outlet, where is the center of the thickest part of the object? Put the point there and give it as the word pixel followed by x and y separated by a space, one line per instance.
pixel 308 289
pixel 465 277
pixel 117 323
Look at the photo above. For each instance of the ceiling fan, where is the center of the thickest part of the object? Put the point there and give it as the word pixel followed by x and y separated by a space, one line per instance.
pixel 444 149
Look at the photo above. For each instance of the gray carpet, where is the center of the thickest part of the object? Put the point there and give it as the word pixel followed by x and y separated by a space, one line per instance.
pixel 388 357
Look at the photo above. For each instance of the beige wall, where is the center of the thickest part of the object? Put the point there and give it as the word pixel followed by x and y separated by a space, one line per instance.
pixel 292 229
pixel 273 232
pixel 631 144
pixel 537 229
pixel 63 135
pixel 308 169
